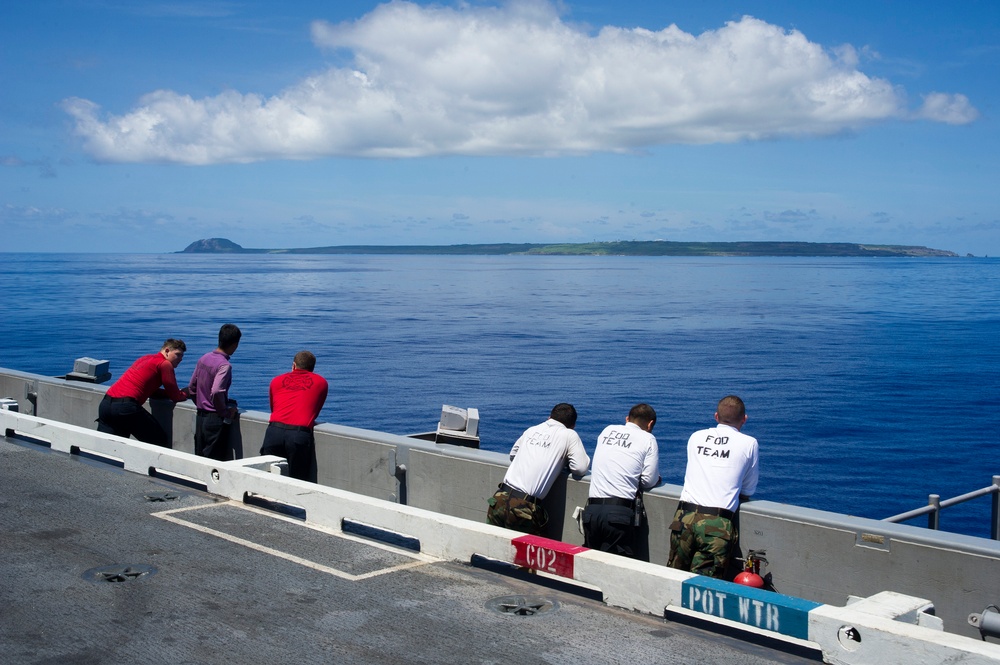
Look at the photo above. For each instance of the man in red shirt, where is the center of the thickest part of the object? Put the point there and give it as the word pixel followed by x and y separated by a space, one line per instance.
pixel 296 400
pixel 121 411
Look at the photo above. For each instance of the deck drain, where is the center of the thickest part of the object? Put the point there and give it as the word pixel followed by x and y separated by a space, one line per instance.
pixel 522 606
pixel 119 573
pixel 161 496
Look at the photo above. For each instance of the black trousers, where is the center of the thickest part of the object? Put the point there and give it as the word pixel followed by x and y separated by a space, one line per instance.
pixel 296 446
pixel 609 528
pixel 211 436
pixel 124 417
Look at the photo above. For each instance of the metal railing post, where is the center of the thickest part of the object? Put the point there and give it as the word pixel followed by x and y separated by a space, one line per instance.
pixel 934 517
pixel 995 515
pixel 935 505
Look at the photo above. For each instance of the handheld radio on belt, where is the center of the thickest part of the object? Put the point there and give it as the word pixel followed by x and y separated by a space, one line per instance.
pixel 640 510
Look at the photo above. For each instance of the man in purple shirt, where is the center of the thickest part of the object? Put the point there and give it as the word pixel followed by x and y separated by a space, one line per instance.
pixel 210 388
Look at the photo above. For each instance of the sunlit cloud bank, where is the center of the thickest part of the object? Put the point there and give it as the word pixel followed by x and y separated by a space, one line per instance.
pixel 516 80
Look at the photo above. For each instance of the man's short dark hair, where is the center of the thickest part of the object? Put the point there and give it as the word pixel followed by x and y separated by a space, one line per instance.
pixel 305 360
pixel 731 410
pixel 642 414
pixel 174 344
pixel 229 334
pixel 564 413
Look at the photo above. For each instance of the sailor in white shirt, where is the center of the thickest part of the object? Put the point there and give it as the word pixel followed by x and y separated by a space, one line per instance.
pixel 626 459
pixel 537 458
pixel 722 471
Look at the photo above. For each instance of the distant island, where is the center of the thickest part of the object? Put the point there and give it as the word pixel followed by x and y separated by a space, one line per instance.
pixel 616 248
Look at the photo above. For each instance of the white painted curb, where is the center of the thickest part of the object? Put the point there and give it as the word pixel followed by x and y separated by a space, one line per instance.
pixel 885 629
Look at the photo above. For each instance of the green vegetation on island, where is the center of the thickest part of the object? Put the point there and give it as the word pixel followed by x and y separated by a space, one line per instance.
pixel 616 248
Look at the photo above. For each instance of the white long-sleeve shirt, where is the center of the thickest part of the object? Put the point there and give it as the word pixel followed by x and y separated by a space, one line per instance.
pixel 541 453
pixel 626 456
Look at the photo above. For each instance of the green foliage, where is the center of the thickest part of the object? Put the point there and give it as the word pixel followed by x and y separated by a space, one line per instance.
pixel 618 248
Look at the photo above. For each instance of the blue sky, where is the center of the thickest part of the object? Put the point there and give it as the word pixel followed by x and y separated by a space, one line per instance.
pixel 144 126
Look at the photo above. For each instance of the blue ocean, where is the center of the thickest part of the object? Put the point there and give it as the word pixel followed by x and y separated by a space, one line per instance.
pixel 870 383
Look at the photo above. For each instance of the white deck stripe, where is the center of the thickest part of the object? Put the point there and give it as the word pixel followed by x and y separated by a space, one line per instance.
pixel 419 559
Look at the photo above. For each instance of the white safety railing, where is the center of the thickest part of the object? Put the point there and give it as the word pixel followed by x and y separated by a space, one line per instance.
pixel 885 628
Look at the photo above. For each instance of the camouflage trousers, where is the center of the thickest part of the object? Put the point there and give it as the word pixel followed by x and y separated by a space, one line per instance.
pixel 701 543
pixel 517 514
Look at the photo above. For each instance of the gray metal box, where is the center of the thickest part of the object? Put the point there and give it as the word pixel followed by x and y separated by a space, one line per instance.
pixel 91 367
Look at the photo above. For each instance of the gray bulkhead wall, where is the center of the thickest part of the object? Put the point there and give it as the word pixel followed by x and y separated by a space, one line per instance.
pixel 817 555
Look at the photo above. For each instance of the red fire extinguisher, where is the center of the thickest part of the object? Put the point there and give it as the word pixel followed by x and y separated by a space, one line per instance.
pixel 751 570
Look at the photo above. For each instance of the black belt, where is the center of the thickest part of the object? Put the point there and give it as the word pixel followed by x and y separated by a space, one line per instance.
pixel 116 400
pixel 706 510
pixel 297 428
pixel 518 494
pixel 206 412
pixel 612 501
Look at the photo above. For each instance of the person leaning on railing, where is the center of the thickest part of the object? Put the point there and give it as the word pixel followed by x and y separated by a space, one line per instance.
pixel 722 470
pixel 626 462
pixel 536 460
pixel 121 412
pixel 209 387
pixel 296 399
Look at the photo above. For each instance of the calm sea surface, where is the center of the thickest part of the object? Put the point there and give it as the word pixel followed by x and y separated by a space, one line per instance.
pixel 869 383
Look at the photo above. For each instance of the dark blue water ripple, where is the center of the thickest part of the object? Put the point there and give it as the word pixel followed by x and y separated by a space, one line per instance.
pixel 869 383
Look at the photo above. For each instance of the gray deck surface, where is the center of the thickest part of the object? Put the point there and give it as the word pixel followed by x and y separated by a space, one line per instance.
pixel 228 583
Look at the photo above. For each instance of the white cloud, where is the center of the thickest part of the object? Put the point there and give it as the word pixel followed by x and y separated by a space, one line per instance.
pixel 514 80
pixel 10 213
pixel 951 109
pixel 135 218
pixel 45 168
